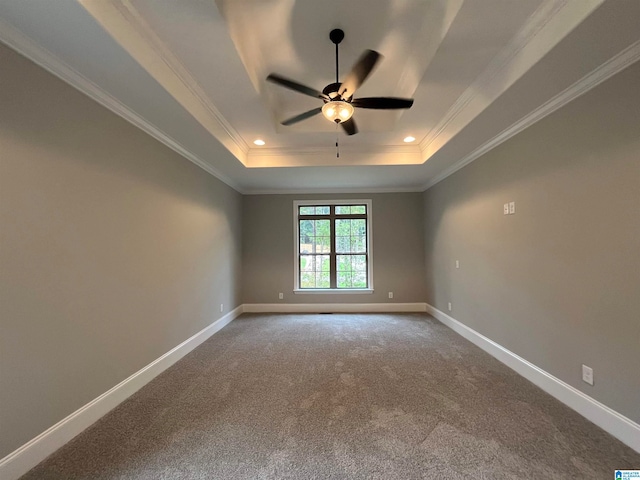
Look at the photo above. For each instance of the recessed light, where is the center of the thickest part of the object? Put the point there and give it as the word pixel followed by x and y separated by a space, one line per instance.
pixel 409 139
pixel 259 142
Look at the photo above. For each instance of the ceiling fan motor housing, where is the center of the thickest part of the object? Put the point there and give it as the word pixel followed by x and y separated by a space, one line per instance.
pixel 331 90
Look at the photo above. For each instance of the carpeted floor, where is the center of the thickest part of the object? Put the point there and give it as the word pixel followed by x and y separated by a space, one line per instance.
pixel 376 396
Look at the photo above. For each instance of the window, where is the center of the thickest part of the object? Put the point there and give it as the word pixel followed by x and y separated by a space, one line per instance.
pixel 333 246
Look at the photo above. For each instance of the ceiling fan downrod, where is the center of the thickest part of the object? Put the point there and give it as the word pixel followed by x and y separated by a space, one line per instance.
pixel 336 36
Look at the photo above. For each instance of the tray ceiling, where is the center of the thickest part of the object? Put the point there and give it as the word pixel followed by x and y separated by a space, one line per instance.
pixel 192 73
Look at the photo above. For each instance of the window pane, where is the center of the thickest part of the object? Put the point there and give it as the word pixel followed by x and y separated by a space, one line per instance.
pixel 351 236
pixel 314 271
pixel 307 263
pixel 351 209
pixel 322 263
pixel 359 263
pixel 310 230
pixel 358 227
pixel 317 245
pixel 359 244
pixel 343 227
pixel 360 280
pixel 343 244
pixel 307 210
pixel 319 262
pixel 322 228
pixel 322 280
pixel 352 271
pixel 306 231
pixel 343 263
pixel 308 280
pixel 344 279
pixel 313 263
pixel 326 244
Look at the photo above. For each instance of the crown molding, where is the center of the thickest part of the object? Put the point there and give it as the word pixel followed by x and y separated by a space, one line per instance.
pixel 137 20
pixel 615 64
pixel 556 18
pixel 310 151
pixel 541 17
pixel 127 27
pixel 19 42
pixel 333 191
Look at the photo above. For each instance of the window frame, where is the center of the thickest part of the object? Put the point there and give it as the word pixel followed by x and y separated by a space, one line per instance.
pixel 296 242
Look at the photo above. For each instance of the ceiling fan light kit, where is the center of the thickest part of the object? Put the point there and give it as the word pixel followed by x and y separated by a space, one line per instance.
pixel 337 111
pixel 338 98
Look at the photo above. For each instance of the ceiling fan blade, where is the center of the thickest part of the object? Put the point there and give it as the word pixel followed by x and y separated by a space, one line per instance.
pixel 302 116
pixel 349 127
pixel 382 103
pixel 359 73
pixel 298 87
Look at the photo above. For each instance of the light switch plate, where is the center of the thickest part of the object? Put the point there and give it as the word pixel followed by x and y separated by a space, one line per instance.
pixel 512 208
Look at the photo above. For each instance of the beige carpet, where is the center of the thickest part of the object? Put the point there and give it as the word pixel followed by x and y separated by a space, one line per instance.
pixel 376 396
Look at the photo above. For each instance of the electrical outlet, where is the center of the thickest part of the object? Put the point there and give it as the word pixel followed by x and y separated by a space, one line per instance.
pixel 449 306
pixel 505 209
pixel 587 374
pixel 222 307
pixel 457 263
pixel 281 295
pixel 512 208
pixel 390 294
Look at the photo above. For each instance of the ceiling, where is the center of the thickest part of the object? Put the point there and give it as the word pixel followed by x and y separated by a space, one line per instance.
pixel 192 74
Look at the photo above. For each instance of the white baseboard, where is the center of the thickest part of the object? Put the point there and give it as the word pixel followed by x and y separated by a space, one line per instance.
pixel 333 307
pixel 30 454
pixel 621 427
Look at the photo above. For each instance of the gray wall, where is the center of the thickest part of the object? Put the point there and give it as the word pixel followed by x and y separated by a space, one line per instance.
pixel 558 283
pixel 113 250
pixel 268 249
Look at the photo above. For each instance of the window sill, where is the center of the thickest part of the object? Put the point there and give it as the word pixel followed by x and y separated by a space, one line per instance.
pixel 334 290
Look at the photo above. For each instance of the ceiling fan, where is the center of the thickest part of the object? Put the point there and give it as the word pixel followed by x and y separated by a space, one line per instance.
pixel 338 97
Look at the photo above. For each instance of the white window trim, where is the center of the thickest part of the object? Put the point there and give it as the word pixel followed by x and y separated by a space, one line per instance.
pixel 333 290
pixel 296 243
